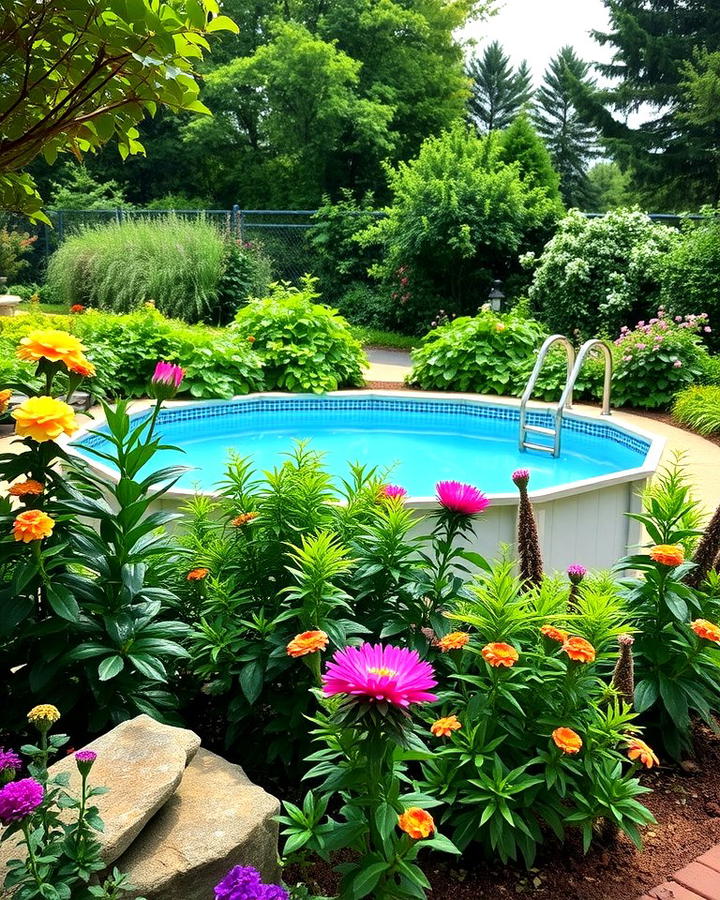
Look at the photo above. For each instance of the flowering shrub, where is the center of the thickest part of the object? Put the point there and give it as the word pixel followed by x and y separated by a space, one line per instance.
pixel 596 274
pixel 304 346
pixel 14 245
pixel 657 359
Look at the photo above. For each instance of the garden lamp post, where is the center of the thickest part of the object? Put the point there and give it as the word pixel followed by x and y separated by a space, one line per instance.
pixel 496 296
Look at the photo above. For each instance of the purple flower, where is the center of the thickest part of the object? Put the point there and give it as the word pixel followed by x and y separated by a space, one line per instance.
pixel 19 799
pixel 9 760
pixel 240 883
pixel 273 892
pixel 84 760
pixel 576 573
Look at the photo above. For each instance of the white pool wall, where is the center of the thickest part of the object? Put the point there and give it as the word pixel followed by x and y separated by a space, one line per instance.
pixel 580 522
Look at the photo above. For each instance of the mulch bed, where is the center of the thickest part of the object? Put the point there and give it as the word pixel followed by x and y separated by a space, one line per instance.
pixel 686 805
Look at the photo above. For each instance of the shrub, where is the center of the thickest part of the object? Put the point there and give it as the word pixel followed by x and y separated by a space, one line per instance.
pixel 458 219
pixel 596 274
pixel 691 272
pixel 246 273
pixel 368 305
pixel 14 245
pixel 656 360
pixel 699 408
pixel 484 354
pixel 175 263
pixel 304 346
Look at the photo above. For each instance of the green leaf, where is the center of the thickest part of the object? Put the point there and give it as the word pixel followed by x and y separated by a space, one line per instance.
pixel 251 680
pixel 110 667
pixel 62 602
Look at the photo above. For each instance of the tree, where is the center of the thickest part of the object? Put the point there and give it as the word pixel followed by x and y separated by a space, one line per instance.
pixel 609 187
pixel 662 65
pixel 79 190
pixel 76 75
pixel 498 92
pixel 571 141
pixel 521 144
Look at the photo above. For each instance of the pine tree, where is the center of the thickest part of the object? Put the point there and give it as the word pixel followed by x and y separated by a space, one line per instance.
pixel 568 137
pixel 673 153
pixel 498 92
pixel 522 144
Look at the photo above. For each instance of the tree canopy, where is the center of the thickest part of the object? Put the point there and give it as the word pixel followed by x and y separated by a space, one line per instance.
pixel 498 92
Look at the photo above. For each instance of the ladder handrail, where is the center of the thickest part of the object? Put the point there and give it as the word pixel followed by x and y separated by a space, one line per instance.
pixel 532 380
pixel 573 376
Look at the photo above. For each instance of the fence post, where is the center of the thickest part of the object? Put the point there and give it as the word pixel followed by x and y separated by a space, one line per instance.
pixel 236 222
pixel 61 226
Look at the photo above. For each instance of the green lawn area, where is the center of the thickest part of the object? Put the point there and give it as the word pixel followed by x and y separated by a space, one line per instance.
pixel 374 337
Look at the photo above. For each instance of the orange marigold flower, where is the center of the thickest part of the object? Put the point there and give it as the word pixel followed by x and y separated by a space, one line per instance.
pixel 456 640
pixel 499 654
pixel 28 488
pixel 567 740
pixel 77 308
pixel 251 339
pixel 307 642
pixel 44 419
pixel 445 727
pixel 80 365
pixel 668 554
pixel 5 399
pixel 707 630
pixel 243 519
pixel 197 574
pixel 32 525
pixel 638 749
pixel 50 344
pixel 579 649
pixel 555 634
pixel 417 823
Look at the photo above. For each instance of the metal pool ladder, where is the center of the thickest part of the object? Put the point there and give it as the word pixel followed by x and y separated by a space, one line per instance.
pixel 574 365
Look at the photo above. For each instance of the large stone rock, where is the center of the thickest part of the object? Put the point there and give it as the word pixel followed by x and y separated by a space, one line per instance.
pixel 141 762
pixel 216 819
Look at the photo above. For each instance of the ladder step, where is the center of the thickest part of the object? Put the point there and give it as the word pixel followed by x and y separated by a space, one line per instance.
pixel 530 446
pixel 540 429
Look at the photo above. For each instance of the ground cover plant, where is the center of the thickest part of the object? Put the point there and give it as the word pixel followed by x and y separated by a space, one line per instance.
pixel 699 408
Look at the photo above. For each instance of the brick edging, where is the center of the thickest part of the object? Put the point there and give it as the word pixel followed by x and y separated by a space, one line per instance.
pixel 700 880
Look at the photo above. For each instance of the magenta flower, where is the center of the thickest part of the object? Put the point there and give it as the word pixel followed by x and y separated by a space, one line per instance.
pixel 166 380
pixel 372 672
pixel 9 760
pixel 576 573
pixel 244 883
pixel 19 799
pixel 521 477
pixel 393 491
pixel 463 499
pixel 84 760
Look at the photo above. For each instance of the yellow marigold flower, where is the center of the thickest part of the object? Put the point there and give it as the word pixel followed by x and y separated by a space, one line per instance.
pixel 639 750
pixel 53 345
pixel 243 519
pixel 417 823
pixel 445 727
pixel 32 525
pixel 668 554
pixel 5 399
pixel 499 654
pixel 27 488
pixel 554 634
pixel 456 640
pixel 45 713
pixel 44 419
pixel 307 642
pixel 579 649
pixel 707 630
pixel 80 365
pixel 197 574
pixel 567 740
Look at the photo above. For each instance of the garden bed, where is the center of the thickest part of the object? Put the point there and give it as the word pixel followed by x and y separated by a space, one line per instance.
pixel 685 804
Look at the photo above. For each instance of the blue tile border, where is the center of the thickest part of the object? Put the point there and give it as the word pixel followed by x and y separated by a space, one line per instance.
pixel 457 409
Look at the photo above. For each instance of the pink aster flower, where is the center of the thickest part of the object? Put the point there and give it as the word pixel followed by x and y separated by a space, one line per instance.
pixel 463 499
pixel 373 672
pixel 393 492
pixel 677 364
pixel 576 573
pixel 166 380
pixel 19 799
pixel 521 477
pixel 84 760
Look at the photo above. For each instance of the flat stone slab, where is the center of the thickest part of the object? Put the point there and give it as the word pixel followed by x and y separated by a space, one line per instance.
pixel 141 762
pixel 216 819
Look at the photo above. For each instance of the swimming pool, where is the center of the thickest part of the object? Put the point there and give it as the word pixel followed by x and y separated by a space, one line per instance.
pixel 414 439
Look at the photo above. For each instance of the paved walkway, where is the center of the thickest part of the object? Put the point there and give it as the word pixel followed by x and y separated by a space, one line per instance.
pixel 698 881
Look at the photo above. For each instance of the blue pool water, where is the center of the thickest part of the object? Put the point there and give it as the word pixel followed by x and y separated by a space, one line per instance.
pixel 418 442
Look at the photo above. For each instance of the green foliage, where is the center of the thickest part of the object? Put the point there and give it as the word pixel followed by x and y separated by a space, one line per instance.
pixel 304 346
pixel 439 245
pixel 372 306
pixel 521 144
pixel 699 408
pixel 484 354
pixel 595 275
pixel 175 263
pixel 658 359
pixel 246 273
pixel 372 337
pixel 608 187
pixel 74 83
pixel 14 245
pixel 498 93
pixel 503 780
pixel 691 271
pixel 79 190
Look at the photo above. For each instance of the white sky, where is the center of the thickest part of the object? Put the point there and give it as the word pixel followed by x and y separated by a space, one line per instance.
pixel 536 29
